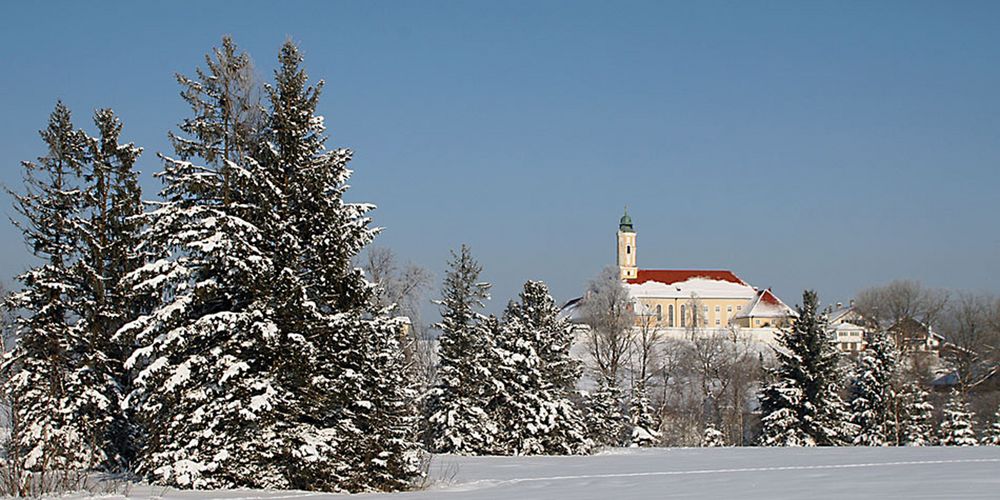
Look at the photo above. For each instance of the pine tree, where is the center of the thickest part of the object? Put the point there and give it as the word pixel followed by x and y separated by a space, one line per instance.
pixel 229 121
pixel 266 363
pixel 712 438
pixel 802 407
pixel 61 411
pixel 872 394
pixel 205 391
pixel 645 428
pixel 532 405
pixel 364 392
pixel 458 421
pixel 917 417
pixel 958 424
pixel 992 437
pixel 539 313
pixel 606 423
pixel 110 230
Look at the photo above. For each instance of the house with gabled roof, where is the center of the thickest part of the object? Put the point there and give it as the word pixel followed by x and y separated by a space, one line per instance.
pixel 764 311
pixel 912 336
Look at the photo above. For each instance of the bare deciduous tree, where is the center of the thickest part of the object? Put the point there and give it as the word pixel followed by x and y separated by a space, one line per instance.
pixel 710 378
pixel 972 328
pixel 902 299
pixel 607 310
pixel 693 317
pixel 403 290
pixel 648 335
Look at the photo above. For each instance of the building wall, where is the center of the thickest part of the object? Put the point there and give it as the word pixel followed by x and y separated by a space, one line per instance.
pixel 753 322
pixel 715 313
pixel 626 255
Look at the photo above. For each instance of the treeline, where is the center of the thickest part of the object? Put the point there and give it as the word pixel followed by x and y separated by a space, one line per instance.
pixel 721 387
pixel 230 334
pixel 810 402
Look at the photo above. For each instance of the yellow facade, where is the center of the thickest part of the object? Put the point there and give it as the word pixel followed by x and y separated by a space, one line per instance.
pixel 626 255
pixel 764 322
pixel 680 312
pixel 675 308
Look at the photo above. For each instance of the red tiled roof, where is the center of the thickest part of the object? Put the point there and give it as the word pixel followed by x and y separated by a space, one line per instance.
pixel 671 276
pixel 768 298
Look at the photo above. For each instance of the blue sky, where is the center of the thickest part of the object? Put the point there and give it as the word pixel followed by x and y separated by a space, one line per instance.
pixel 801 144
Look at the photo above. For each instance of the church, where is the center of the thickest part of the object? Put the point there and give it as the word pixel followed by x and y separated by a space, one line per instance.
pixel 684 300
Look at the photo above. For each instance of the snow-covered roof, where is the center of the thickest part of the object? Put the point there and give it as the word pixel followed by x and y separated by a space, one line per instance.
pixel 847 327
pixel 701 287
pixel 839 313
pixel 766 305
pixel 671 276
pixel 571 311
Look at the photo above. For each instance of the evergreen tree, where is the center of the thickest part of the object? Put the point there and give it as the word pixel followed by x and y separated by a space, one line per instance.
pixel 61 409
pixel 645 428
pixel 802 406
pixel 917 414
pixel 958 424
pixel 872 394
pixel 992 437
pixel 712 438
pixel 228 120
pixel 110 233
pixel 539 313
pixel 458 421
pixel 532 405
pixel 354 351
pixel 266 364
pixel 606 423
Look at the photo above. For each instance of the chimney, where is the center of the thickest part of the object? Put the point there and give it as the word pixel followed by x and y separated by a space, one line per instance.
pixel 852 302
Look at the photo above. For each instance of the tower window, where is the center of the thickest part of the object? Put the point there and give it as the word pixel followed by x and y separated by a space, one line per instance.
pixel 628 249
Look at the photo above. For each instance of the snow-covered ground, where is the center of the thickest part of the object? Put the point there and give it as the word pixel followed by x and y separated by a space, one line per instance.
pixel 739 473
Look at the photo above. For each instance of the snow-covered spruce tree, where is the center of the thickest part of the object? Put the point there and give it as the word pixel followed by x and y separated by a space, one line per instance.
pixel 456 407
pixel 206 392
pixel 992 436
pixel 802 406
pixel 533 412
pixel 260 368
pixel 645 427
pixel 228 119
pixel 553 337
pixel 712 438
pixel 958 423
pixel 872 393
pixel 356 365
pixel 917 422
pixel 607 425
pixel 61 409
pixel 110 236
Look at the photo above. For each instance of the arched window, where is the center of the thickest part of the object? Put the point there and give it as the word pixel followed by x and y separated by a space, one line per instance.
pixel 628 249
pixel 659 312
pixel 683 316
pixel 670 315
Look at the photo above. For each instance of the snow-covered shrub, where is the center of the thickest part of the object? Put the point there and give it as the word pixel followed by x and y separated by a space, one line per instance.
pixel 712 438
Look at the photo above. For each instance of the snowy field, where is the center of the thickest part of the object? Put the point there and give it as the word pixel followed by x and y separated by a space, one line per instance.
pixel 743 473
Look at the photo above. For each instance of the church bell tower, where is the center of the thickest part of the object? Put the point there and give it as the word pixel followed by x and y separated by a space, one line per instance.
pixel 626 248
